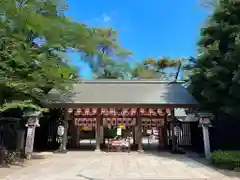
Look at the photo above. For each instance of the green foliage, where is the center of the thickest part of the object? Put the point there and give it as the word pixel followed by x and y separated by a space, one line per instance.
pixel 34 35
pixel 226 159
pixel 215 79
pixel 22 105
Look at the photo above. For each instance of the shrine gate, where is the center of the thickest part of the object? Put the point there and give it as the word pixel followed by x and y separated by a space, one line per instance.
pixel 136 104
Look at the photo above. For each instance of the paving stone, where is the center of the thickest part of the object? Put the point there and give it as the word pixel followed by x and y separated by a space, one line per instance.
pixel 113 166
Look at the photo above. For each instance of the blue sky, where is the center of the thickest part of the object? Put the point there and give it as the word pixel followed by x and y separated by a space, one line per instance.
pixel 147 28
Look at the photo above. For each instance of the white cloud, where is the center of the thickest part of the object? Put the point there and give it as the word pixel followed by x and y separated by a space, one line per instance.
pixel 106 18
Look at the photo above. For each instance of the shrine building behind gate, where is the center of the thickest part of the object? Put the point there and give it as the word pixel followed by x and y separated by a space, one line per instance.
pixel 138 105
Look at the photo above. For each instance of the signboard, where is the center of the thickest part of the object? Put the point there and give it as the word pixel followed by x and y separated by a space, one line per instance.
pixel 30 139
pixel 122 126
pixel 84 128
pixel 119 131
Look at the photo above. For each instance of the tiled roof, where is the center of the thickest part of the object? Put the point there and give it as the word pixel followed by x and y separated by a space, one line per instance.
pixel 135 92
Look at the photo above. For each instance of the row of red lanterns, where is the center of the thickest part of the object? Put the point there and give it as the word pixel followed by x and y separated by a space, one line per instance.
pixel 119 112
pixel 152 122
pixel 119 121
pixel 106 121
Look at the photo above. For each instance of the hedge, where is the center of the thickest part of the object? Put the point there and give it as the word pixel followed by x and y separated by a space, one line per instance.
pixel 226 159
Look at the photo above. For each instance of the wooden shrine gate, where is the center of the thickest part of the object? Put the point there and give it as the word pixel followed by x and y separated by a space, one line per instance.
pixel 96 119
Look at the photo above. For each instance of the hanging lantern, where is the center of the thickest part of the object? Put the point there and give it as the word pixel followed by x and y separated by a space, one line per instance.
pixel 125 111
pixel 151 111
pixel 94 111
pixel 87 111
pixel 70 110
pixel 112 111
pixel 77 112
pixel 142 110
pixel 133 111
pixel 103 110
pixel 159 111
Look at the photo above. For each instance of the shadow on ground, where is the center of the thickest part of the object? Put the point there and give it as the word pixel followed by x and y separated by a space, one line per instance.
pixel 193 160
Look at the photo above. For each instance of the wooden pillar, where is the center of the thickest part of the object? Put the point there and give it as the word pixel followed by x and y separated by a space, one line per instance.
pixel 174 138
pixel 164 129
pixel 65 135
pixel 98 131
pixel 139 131
pixel 134 135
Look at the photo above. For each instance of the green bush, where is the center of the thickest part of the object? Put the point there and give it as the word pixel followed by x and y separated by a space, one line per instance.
pixel 226 159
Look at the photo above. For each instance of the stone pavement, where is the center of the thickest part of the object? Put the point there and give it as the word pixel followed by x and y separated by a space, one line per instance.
pixel 122 166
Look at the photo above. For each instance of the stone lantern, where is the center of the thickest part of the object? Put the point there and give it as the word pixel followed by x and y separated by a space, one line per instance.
pixel 205 123
pixel 32 123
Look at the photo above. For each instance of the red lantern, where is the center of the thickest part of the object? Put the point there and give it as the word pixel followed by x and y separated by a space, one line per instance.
pixel 87 110
pixel 133 111
pixel 125 111
pixel 103 110
pixel 159 111
pixel 142 110
pixel 112 111
pixel 151 111
pixel 94 111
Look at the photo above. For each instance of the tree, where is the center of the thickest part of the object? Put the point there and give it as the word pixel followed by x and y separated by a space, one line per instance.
pixel 33 33
pixel 111 60
pixel 215 79
pixel 152 68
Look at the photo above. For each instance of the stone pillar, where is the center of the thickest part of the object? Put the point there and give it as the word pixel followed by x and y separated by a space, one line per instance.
pixel 207 150
pixel 98 131
pixel 33 122
pixel 139 131
pixel 205 123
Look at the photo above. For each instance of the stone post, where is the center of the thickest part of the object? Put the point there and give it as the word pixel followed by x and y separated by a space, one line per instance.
pixel 205 123
pixel 32 123
pixel 207 150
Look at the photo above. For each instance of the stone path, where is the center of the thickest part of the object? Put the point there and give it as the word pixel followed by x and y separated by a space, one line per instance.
pixel 122 166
